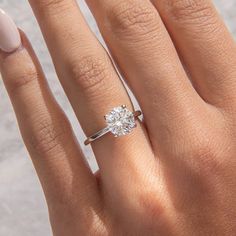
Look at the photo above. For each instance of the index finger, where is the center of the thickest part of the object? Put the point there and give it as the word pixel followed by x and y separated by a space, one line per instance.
pixel 46 131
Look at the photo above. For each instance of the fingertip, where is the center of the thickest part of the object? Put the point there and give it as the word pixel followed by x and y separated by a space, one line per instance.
pixel 10 39
pixel 24 52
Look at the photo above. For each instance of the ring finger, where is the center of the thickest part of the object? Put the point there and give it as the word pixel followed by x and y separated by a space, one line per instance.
pixel 145 54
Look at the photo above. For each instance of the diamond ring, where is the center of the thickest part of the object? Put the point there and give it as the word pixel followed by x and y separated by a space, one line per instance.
pixel 120 122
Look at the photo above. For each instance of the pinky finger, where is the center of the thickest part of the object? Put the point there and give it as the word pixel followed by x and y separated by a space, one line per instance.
pixel 66 179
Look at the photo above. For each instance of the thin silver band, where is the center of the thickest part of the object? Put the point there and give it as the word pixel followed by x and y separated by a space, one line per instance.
pixel 105 130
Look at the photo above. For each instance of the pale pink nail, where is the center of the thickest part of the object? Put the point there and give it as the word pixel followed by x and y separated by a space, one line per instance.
pixel 9 35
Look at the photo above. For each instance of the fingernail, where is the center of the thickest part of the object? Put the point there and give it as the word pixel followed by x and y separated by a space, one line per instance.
pixel 10 38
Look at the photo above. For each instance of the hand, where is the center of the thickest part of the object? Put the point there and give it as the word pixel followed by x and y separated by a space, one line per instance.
pixel 175 173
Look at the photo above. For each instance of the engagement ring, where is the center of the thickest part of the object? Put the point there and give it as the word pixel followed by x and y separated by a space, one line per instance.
pixel 120 121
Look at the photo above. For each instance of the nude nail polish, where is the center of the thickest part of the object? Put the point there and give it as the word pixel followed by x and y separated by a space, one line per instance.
pixel 10 38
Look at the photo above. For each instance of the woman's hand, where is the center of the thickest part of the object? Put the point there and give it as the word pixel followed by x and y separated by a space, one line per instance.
pixel 175 174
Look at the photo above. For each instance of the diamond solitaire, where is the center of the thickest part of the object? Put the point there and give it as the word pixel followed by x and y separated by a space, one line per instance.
pixel 120 121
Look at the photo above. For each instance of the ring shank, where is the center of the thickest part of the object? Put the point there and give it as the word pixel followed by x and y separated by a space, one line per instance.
pixel 105 130
pixel 97 135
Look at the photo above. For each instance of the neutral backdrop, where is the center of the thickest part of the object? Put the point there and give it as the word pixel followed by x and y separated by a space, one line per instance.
pixel 23 210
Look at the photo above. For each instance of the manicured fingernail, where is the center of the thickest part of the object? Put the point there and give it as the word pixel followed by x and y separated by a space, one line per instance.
pixel 9 35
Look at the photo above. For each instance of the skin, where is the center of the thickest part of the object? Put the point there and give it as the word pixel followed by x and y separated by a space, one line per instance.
pixel 175 173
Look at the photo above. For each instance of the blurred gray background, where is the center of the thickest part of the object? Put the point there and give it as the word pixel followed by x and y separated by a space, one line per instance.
pixel 23 210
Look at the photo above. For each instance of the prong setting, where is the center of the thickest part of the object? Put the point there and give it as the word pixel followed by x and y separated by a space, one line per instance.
pixel 120 121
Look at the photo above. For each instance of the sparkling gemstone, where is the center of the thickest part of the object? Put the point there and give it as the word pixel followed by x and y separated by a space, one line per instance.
pixel 120 121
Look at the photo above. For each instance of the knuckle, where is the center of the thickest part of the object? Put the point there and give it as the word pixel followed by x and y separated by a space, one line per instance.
pixel 21 77
pixel 206 154
pixel 49 135
pixel 127 17
pixel 152 207
pixel 192 12
pixel 55 8
pixel 91 72
pixel 52 4
pixel 182 9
